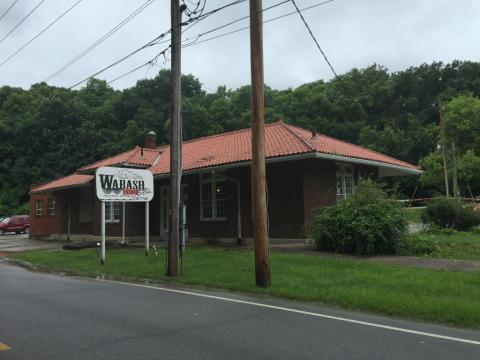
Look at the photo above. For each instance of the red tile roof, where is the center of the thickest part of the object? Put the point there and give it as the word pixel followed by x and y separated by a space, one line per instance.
pixel 328 145
pixel 142 157
pixel 281 140
pixel 68 181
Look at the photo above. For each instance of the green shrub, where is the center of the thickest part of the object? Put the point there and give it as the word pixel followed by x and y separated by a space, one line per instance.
pixel 366 223
pixel 450 213
pixel 415 245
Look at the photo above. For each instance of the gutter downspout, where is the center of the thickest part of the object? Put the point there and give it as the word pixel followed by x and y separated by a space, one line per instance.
pixel 69 219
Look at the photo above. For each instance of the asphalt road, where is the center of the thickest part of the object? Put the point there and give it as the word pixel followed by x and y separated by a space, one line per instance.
pixel 46 316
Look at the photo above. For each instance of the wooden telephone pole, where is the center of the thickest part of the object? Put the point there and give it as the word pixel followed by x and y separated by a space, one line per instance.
pixel 176 141
pixel 456 191
pixel 259 200
pixel 444 147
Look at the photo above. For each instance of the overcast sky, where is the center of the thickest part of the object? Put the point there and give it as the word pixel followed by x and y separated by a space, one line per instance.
pixel 353 33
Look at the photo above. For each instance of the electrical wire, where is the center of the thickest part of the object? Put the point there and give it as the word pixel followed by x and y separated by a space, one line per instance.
pixel 150 62
pixel 196 42
pixel 22 21
pixel 237 20
pixel 100 40
pixel 150 43
pixel 157 39
pixel 196 37
pixel 41 32
pixel 314 38
pixel 7 10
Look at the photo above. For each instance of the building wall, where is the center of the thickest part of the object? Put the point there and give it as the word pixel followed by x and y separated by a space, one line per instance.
pixel 295 190
pixel 45 224
pixel 319 188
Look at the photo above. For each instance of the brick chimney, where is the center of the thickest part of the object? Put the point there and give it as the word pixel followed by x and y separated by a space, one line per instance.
pixel 151 140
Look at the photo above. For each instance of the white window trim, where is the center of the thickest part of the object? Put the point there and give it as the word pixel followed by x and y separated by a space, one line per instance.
pixel 111 219
pixel 343 174
pixel 38 209
pixel 213 182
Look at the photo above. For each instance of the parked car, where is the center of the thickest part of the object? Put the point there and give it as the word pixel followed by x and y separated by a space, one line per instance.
pixel 16 224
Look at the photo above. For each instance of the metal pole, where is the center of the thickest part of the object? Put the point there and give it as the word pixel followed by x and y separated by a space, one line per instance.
pixel 147 228
pixel 259 199
pixel 239 213
pixel 69 220
pixel 123 223
pixel 175 151
pixel 102 257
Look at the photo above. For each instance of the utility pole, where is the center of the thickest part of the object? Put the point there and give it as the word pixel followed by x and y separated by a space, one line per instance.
pixel 176 140
pixel 454 172
pixel 444 147
pixel 259 199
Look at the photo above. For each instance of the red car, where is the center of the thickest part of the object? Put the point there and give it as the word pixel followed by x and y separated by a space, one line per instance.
pixel 16 224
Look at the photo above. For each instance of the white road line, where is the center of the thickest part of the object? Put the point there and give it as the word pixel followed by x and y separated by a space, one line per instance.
pixel 365 323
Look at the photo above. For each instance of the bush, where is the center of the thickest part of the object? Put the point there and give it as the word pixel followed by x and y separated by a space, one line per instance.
pixel 450 213
pixel 367 223
pixel 415 245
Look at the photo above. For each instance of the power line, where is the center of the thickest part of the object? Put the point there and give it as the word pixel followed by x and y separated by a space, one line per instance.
pixel 41 32
pixel 235 21
pixel 196 42
pixel 157 39
pixel 150 43
pixel 196 37
pixel 150 62
pixel 7 10
pixel 314 38
pixel 100 40
pixel 21 21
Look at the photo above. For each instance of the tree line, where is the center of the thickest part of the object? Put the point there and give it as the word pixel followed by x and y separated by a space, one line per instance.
pixel 47 132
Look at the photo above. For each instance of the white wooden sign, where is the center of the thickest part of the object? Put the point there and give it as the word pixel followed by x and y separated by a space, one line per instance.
pixel 124 184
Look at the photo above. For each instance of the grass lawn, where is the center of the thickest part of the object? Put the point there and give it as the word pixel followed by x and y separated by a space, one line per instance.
pixel 437 296
pixel 459 245
pixel 414 215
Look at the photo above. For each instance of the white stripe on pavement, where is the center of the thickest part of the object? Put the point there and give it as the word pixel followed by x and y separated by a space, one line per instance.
pixel 353 321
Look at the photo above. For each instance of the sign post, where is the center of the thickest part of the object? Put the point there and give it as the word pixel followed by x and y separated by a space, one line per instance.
pixel 147 228
pixel 115 184
pixel 102 251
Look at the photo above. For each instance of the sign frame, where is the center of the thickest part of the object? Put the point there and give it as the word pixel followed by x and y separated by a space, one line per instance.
pixel 117 184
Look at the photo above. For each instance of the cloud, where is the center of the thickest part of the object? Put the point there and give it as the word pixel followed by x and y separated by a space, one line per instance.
pixel 355 33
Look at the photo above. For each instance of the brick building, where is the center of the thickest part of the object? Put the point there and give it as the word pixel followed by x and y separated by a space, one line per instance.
pixel 305 171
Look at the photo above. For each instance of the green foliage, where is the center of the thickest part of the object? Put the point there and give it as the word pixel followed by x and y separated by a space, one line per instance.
pixel 47 132
pixel 445 243
pixel 367 223
pixel 450 213
pixel 462 122
pixel 413 245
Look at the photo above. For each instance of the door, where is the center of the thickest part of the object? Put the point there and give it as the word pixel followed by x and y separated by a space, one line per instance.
pixel 164 201
pixel 165 205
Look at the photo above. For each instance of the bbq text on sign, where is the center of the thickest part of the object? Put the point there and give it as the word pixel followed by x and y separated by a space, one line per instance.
pixel 121 184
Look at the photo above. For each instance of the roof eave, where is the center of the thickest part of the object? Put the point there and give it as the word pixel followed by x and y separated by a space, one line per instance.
pixel 403 170
pixel 66 187
pixel 317 155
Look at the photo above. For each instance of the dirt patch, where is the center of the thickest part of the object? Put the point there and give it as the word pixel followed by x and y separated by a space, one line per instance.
pixel 412 261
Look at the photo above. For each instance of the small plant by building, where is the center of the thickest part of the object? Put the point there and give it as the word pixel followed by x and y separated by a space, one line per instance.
pixel 366 223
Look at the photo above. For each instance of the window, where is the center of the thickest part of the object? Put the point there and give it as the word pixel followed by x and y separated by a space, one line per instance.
pixel 39 208
pixel 51 207
pixel 213 197
pixel 112 212
pixel 344 179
